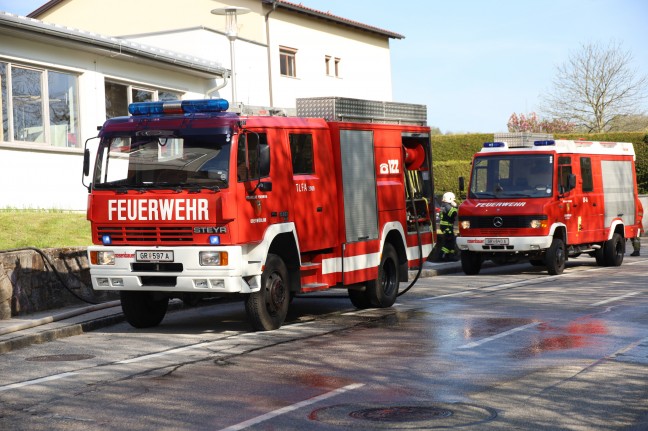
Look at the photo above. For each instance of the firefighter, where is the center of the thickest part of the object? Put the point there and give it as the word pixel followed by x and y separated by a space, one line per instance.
pixel 448 216
pixel 636 245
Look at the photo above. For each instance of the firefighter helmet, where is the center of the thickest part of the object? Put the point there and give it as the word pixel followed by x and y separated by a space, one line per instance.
pixel 448 197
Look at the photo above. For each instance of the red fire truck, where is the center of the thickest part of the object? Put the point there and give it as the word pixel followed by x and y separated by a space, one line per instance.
pixel 547 200
pixel 189 200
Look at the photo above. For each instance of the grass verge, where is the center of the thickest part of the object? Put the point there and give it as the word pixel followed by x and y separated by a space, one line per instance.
pixel 43 229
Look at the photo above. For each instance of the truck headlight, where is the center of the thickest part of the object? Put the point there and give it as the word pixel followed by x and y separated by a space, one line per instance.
pixel 102 257
pixel 535 224
pixel 213 258
pixel 465 224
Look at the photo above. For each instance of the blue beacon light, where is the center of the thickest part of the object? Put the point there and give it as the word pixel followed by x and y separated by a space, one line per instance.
pixel 494 144
pixel 178 107
pixel 106 240
pixel 214 240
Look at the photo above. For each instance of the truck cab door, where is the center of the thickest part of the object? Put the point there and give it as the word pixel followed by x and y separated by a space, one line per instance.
pixel 313 191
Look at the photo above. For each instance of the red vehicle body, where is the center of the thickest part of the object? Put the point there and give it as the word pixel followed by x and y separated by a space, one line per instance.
pixel 187 200
pixel 548 200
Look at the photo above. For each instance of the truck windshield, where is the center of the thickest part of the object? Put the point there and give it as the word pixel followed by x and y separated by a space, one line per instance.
pixel 512 176
pixel 159 159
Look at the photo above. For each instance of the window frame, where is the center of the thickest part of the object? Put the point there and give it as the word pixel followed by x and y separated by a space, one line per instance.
pixel 288 62
pixel 71 138
pixel 132 88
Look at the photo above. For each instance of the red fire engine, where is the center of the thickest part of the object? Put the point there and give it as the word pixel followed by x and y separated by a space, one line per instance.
pixel 547 200
pixel 187 199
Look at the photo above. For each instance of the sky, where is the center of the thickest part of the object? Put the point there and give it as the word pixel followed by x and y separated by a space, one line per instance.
pixel 475 62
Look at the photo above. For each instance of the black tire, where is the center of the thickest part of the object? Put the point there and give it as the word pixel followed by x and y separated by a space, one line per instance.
pixel 142 310
pixel 471 262
pixel 267 308
pixel 614 250
pixel 555 258
pixel 383 291
pixel 599 255
pixel 359 299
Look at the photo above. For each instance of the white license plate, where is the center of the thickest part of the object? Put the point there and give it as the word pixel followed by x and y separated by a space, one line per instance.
pixel 153 256
pixel 496 241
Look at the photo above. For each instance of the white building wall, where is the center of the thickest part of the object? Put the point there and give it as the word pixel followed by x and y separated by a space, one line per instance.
pixel 251 59
pixel 365 65
pixel 41 179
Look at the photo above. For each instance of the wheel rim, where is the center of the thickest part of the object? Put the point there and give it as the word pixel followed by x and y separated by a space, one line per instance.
pixel 275 293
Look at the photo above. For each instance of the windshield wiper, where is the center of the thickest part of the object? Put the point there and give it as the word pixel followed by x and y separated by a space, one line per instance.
pixel 196 187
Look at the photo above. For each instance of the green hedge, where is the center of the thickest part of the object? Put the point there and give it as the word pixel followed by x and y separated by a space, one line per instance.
pixel 452 154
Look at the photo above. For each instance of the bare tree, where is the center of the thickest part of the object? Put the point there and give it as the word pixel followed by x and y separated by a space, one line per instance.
pixel 595 87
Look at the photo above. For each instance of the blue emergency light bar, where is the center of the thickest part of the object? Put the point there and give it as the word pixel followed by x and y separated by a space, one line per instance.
pixel 544 143
pixel 494 144
pixel 178 107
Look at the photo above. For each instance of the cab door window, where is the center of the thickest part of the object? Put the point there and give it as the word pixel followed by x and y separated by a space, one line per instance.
pixel 252 147
pixel 564 171
pixel 301 151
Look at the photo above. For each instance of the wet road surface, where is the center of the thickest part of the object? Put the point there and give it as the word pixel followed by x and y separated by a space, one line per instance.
pixel 510 349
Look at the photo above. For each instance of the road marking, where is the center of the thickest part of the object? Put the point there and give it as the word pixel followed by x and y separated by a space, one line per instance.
pixel 616 298
pixel 36 381
pixel 291 408
pixel 500 335
pixel 166 352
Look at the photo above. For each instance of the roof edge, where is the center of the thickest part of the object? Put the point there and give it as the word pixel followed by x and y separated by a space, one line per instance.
pixel 300 8
pixel 44 8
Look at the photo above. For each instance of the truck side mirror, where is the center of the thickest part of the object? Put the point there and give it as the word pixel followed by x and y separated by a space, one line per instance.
pixel 86 163
pixel 462 184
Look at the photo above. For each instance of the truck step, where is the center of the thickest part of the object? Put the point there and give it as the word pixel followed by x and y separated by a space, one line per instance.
pixel 309 266
pixel 313 287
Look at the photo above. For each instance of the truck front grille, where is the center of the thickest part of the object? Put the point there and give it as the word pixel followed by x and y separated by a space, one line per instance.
pixel 146 234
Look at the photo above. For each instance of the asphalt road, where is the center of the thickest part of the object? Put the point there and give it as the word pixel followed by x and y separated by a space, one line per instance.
pixel 510 349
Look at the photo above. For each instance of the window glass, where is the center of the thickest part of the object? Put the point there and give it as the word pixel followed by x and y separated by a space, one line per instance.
pixel 250 145
pixel 27 99
pixel 287 62
pixel 139 95
pixel 301 150
pixel 168 95
pixel 38 105
pixel 512 176
pixel 63 112
pixel 586 173
pixel 166 160
pixel 116 99
pixel 565 170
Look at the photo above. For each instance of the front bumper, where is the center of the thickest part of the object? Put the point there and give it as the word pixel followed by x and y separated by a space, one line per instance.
pixel 184 274
pixel 511 244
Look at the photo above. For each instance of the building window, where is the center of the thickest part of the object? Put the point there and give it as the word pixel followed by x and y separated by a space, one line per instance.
pixel 119 96
pixel 38 106
pixel 327 64
pixel 337 67
pixel 287 60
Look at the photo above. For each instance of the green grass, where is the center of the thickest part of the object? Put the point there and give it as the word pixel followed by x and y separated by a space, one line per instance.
pixel 43 229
